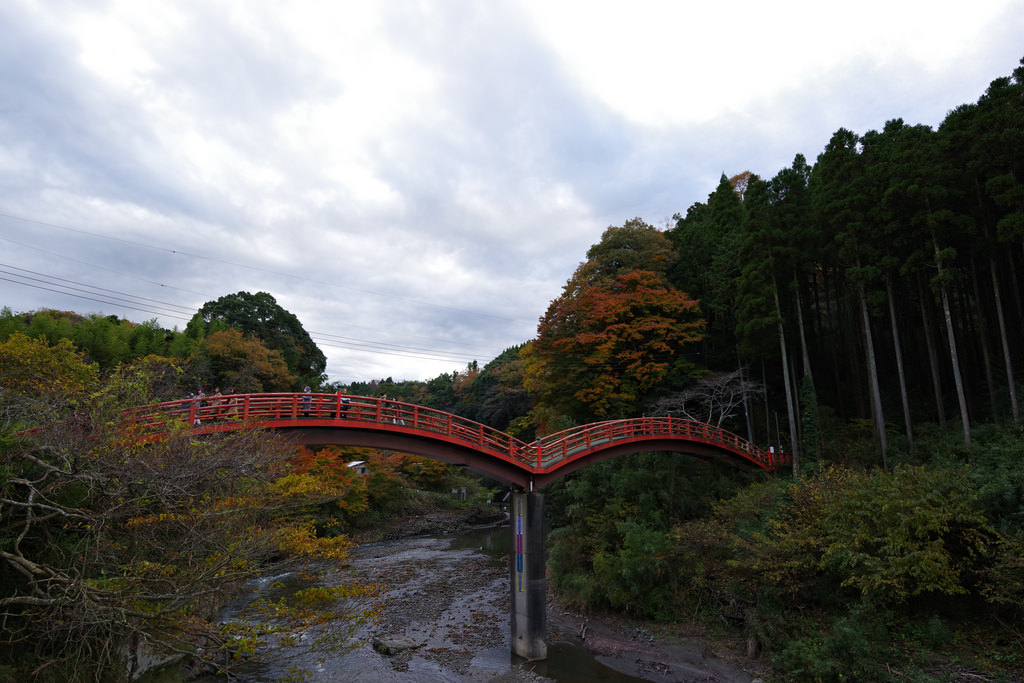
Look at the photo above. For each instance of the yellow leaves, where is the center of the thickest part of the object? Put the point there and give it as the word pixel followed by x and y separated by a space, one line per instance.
pixel 32 366
pixel 308 486
pixel 300 540
pixel 160 518
pixel 149 569
pixel 318 597
pixel 323 476
pixel 242 502
pixel 107 583
pixel 246 363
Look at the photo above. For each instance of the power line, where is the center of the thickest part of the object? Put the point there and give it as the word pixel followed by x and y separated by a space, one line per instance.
pixel 153 282
pixel 397 347
pixel 323 339
pixel 59 280
pixel 87 298
pixel 179 252
pixel 464 360
pixel 123 300
pixel 97 266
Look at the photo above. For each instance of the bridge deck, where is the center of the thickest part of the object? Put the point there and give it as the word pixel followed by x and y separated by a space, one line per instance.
pixel 337 418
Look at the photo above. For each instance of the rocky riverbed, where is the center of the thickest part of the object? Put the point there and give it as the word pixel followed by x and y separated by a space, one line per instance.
pixel 445 618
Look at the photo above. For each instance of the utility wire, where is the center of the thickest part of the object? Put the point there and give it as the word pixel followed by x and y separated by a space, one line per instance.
pixel 179 252
pixel 167 286
pixel 97 266
pixel 397 347
pixel 87 298
pixel 334 341
pixel 123 300
pixel 115 294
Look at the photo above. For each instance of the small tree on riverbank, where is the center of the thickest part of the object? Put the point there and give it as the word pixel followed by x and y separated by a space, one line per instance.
pixel 113 545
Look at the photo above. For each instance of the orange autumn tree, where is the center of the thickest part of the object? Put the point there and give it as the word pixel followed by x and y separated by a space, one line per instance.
pixel 323 475
pixel 602 350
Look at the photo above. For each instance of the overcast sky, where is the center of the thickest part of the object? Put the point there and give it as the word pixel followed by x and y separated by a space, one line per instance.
pixel 416 181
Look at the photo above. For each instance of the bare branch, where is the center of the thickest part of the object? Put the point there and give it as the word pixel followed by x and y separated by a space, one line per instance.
pixel 714 399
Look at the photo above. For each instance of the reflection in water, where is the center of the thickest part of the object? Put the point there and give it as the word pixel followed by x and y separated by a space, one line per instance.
pixel 494 541
pixel 571 663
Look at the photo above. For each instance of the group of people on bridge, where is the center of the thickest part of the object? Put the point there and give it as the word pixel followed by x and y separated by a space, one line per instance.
pixel 223 405
pixel 229 405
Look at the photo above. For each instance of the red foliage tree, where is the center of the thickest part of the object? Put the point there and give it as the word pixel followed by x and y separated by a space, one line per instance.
pixel 600 351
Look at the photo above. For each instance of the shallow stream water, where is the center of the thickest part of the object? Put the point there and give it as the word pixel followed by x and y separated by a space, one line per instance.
pixel 451 595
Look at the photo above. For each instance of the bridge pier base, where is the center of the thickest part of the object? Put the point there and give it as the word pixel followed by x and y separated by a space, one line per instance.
pixel 529 626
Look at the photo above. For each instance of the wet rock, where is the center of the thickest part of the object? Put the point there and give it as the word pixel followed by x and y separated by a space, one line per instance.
pixel 392 645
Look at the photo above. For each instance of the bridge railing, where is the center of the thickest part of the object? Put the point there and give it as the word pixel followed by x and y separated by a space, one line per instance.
pixel 213 412
pixel 564 444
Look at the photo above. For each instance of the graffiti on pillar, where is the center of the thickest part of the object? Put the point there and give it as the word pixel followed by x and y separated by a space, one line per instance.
pixel 519 543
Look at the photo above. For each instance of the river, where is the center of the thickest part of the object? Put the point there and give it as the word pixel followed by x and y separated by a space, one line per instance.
pixel 450 594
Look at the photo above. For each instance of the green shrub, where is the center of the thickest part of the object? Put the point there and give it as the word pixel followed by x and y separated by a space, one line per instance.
pixel 853 649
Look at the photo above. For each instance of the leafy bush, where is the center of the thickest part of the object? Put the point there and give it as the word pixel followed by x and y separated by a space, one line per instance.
pixel 612 544
pixel 888 537
pixel 820 571
pixel 637 575
pixel 852 649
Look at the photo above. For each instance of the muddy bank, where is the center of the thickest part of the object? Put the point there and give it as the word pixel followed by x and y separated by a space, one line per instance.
pixel 652 651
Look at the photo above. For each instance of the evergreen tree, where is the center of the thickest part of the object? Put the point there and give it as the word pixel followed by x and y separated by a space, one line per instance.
pixel 259 315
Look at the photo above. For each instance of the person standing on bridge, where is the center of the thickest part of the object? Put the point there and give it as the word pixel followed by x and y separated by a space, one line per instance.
pixel 307 401
pixel 232 404
pixel 200 402
pixel 215 401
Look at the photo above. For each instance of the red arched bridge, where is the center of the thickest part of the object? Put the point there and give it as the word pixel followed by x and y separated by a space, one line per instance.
pixel 338 419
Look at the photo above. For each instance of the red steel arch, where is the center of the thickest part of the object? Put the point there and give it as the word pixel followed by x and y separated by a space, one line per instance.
pixel 323 419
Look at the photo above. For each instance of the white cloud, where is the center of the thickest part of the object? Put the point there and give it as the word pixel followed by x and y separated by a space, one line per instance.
pixel 666 64
pixel 423 176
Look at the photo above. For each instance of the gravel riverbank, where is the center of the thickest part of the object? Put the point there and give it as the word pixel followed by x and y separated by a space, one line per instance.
pixel 449 601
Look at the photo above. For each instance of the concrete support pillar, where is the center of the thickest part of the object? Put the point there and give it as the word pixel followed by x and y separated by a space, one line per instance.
pixel 529 634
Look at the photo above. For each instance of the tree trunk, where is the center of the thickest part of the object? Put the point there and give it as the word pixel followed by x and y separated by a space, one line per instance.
pixel 954 357
pixel 875 392
pixel 832 327
pixel 1015 292
pixel 899 362
pixel 746 398
pixel 767 409
pixel 982 327
pixel 809 412
pixel 1003 339
pixel 790 407
pixel 933 354
pixel 804 354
